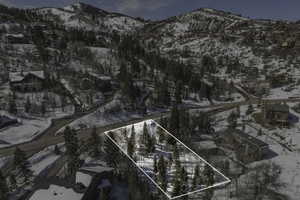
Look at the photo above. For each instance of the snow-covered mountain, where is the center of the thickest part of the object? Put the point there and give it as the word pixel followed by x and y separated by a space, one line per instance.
pixel 228 38
pixel 81 15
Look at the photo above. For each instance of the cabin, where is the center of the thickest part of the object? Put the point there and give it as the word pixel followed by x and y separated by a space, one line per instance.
pixel 99 82
pixel 257 88
pixel 252 72
pixel 277 114
pixel 207 147
pixel 279 80
pixel 247 148
pixel 32 81
pixel 16 39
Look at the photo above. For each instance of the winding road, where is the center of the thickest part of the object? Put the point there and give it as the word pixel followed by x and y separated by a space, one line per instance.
pixel 49 137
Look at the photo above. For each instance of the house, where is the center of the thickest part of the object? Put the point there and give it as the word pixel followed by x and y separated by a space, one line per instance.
pixel 277 114
pixel 98 82
pixel 257 88
pixel 16 38
pixel 279 80
pixel 207 147
pixel 252 72
pixel 246 147
pixel 32 81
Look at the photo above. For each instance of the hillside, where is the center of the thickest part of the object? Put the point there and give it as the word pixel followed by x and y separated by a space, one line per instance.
pixel 80 71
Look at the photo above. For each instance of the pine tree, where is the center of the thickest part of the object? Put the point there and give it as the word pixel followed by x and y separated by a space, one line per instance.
pixel 250 109
pixel 155 170
pixel 259 133
pixel 184 182
pixel 12 104
pixel 209 175
pixel 177 180
pixel 72 153
pixel 112 156
pixel 13 181
pixel 57 150
pixel 27 105
pixel 176 188
pixel 163 122
pixel 131 143
pixel 21 163
pixel 4 191
pixel 43 108
pixel 164 94
pixel 178 92
pixel 162 172
pixel 232 120
pixel 132 136
pixel 161 135
pixel 196 177
pixel 130 148
pixel 96 143
pixel 175 153
pixel 145 136
pixel 175 121
pixel 226 167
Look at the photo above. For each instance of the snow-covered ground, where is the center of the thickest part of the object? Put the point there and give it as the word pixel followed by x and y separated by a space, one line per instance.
pixel 27 129
pixel 56 193
pixel 282 93
pixel 43 159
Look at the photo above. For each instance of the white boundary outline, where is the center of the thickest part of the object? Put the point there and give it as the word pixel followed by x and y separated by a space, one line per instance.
pixel 176 197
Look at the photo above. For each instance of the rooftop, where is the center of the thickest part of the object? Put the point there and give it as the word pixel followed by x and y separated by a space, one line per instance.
pixel 247 138
pixel 19 76
pixel 278 107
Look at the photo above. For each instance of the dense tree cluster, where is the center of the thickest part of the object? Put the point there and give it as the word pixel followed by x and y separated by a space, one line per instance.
pixel 72 152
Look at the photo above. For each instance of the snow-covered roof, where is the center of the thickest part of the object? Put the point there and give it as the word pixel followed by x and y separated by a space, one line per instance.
pixel 96 169
pixel 246 137
pixel 19 76
pixel 278 107
pixel 83 178
pixel 207 82
pixel 20 35
pixel 206 145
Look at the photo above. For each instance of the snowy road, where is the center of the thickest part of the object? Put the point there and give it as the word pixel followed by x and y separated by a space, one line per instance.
pixel 50 138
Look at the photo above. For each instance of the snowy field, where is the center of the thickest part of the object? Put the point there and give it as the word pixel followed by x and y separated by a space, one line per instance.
pixel 43 159
pixel 284 92
pixel 28 127
pixel 145 161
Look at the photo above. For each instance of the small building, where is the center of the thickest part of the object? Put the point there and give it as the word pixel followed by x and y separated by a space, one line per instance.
pixel 207 147
pixel 279 80
pixel 277 114
pixel 252 72
pixel 257 88
pixel 32 81
pixel 16 38
pixel 247 148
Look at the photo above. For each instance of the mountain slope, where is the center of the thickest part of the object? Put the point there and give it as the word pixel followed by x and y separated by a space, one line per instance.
pixel 231 40
pixel 90 18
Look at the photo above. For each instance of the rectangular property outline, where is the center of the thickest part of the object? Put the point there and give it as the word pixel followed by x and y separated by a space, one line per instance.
pixel 227 180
